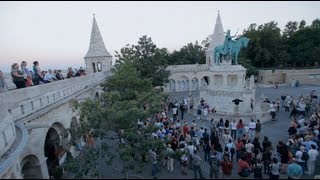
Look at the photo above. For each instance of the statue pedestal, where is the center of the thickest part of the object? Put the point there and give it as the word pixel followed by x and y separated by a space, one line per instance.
pixel 227 82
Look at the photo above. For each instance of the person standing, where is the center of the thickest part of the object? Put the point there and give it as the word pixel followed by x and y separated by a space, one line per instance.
pixel 3 84
pixel 234 129
pixel 294 170
pixel 274 169
pixel 182 109
pixel 240 127
pixel 252 129
pixel 214 166
pixel 170 156
pixel 236 105
pixel 313 154
pixel 258 128
pixel 153 158
pixel 196 165
pixel 226 167
pixel 174 113
pixel 37 73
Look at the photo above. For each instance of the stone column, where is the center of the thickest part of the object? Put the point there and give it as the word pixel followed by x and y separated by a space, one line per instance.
pixel 240 80
pixel 225 80
pixel 44 168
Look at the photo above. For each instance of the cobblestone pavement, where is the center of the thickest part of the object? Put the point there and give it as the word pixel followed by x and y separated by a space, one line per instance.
pixel 275 130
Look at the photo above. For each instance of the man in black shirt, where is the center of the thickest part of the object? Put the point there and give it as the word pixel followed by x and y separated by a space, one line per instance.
pixel 236 105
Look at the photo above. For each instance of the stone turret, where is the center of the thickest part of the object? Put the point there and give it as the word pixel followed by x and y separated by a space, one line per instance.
pixel 97 58
pixel 216 39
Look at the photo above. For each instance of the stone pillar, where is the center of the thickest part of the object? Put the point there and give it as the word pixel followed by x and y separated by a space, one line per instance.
pixel 44 168
pixel 225 80
pixel 240 80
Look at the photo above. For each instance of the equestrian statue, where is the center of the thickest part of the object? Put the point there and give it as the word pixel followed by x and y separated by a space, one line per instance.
pixel 230 48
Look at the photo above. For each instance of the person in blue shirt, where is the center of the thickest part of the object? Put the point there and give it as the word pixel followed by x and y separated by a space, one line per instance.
pixel 294 170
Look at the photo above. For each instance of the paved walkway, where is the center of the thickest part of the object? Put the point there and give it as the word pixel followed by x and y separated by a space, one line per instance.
pixel 275 130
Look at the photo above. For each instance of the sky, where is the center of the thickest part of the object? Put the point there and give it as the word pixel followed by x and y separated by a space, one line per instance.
pixel 57 34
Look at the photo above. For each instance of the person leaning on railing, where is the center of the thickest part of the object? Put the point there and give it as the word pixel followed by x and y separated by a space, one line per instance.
pixel 18 77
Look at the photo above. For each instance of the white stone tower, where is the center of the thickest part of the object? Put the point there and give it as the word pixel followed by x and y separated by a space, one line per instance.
pixel 97 58
pixel 216 39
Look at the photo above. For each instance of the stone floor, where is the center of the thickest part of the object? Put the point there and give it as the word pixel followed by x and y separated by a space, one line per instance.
pixel 275 130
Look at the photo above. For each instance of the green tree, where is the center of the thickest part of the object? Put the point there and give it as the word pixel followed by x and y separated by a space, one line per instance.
pixel 149 60
pixel 302 24
pixel 290 28
pixel 263 48
pixel 128 97
pixel 188 54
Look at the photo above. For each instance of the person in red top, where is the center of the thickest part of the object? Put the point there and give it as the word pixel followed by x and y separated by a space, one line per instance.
pixel 185 129
pixel 240 127
pixel 239 146
pixel 226 167
pixel 241 165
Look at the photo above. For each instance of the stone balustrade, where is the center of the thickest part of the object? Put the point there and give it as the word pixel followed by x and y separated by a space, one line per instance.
pixel 188 68
pixel 20 103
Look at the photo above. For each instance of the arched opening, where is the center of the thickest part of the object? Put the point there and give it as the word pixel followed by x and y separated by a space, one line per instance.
pixel 31 168
pixel 94 67
pixel 185 83
pixel 56 143
pixel 96 97
pixel 99 67
pixel 172 85
pixel 195 84
pixel 206 81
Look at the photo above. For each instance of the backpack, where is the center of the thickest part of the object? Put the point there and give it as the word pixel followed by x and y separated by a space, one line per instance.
pixel 305 156
pixel 214 163
pixel 258 171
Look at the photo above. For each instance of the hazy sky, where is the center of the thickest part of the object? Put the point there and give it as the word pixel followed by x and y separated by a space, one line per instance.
pixel 57 34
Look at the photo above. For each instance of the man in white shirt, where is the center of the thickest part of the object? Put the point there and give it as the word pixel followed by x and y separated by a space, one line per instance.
pixel 49 77
pixel 273 110
pixel 313 153
pixel 234 129
pixel 249 146
pixel 174 113
pixel 252 129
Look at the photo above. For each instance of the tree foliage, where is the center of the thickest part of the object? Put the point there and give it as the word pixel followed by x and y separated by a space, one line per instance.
pixel 149 60
pixel 269 47
pixel 130 95
pixel 188 54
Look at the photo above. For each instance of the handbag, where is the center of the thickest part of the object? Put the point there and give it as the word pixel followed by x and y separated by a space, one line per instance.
pixel 28 81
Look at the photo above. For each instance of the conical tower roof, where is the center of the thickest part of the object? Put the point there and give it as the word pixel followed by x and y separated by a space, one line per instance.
pixel 217 36
pixel 97 47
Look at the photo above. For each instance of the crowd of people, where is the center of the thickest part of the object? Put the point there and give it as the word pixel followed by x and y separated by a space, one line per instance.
pixel 23 77
pixel 227 144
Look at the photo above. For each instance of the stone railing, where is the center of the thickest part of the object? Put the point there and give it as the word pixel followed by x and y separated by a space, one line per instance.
pixel 21 103
pixel 7 135
pixel 188 68
pixel 9 159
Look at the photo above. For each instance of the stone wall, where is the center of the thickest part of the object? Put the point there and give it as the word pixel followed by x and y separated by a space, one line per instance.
pixel 304 76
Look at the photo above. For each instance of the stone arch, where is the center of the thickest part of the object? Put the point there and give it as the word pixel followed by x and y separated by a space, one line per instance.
pixel 56 144
pixel 99 67
pixel 172 85
pixel 205 81
pixel 31 168
pixel 195 84
pixel 184 83
pixel 96 96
